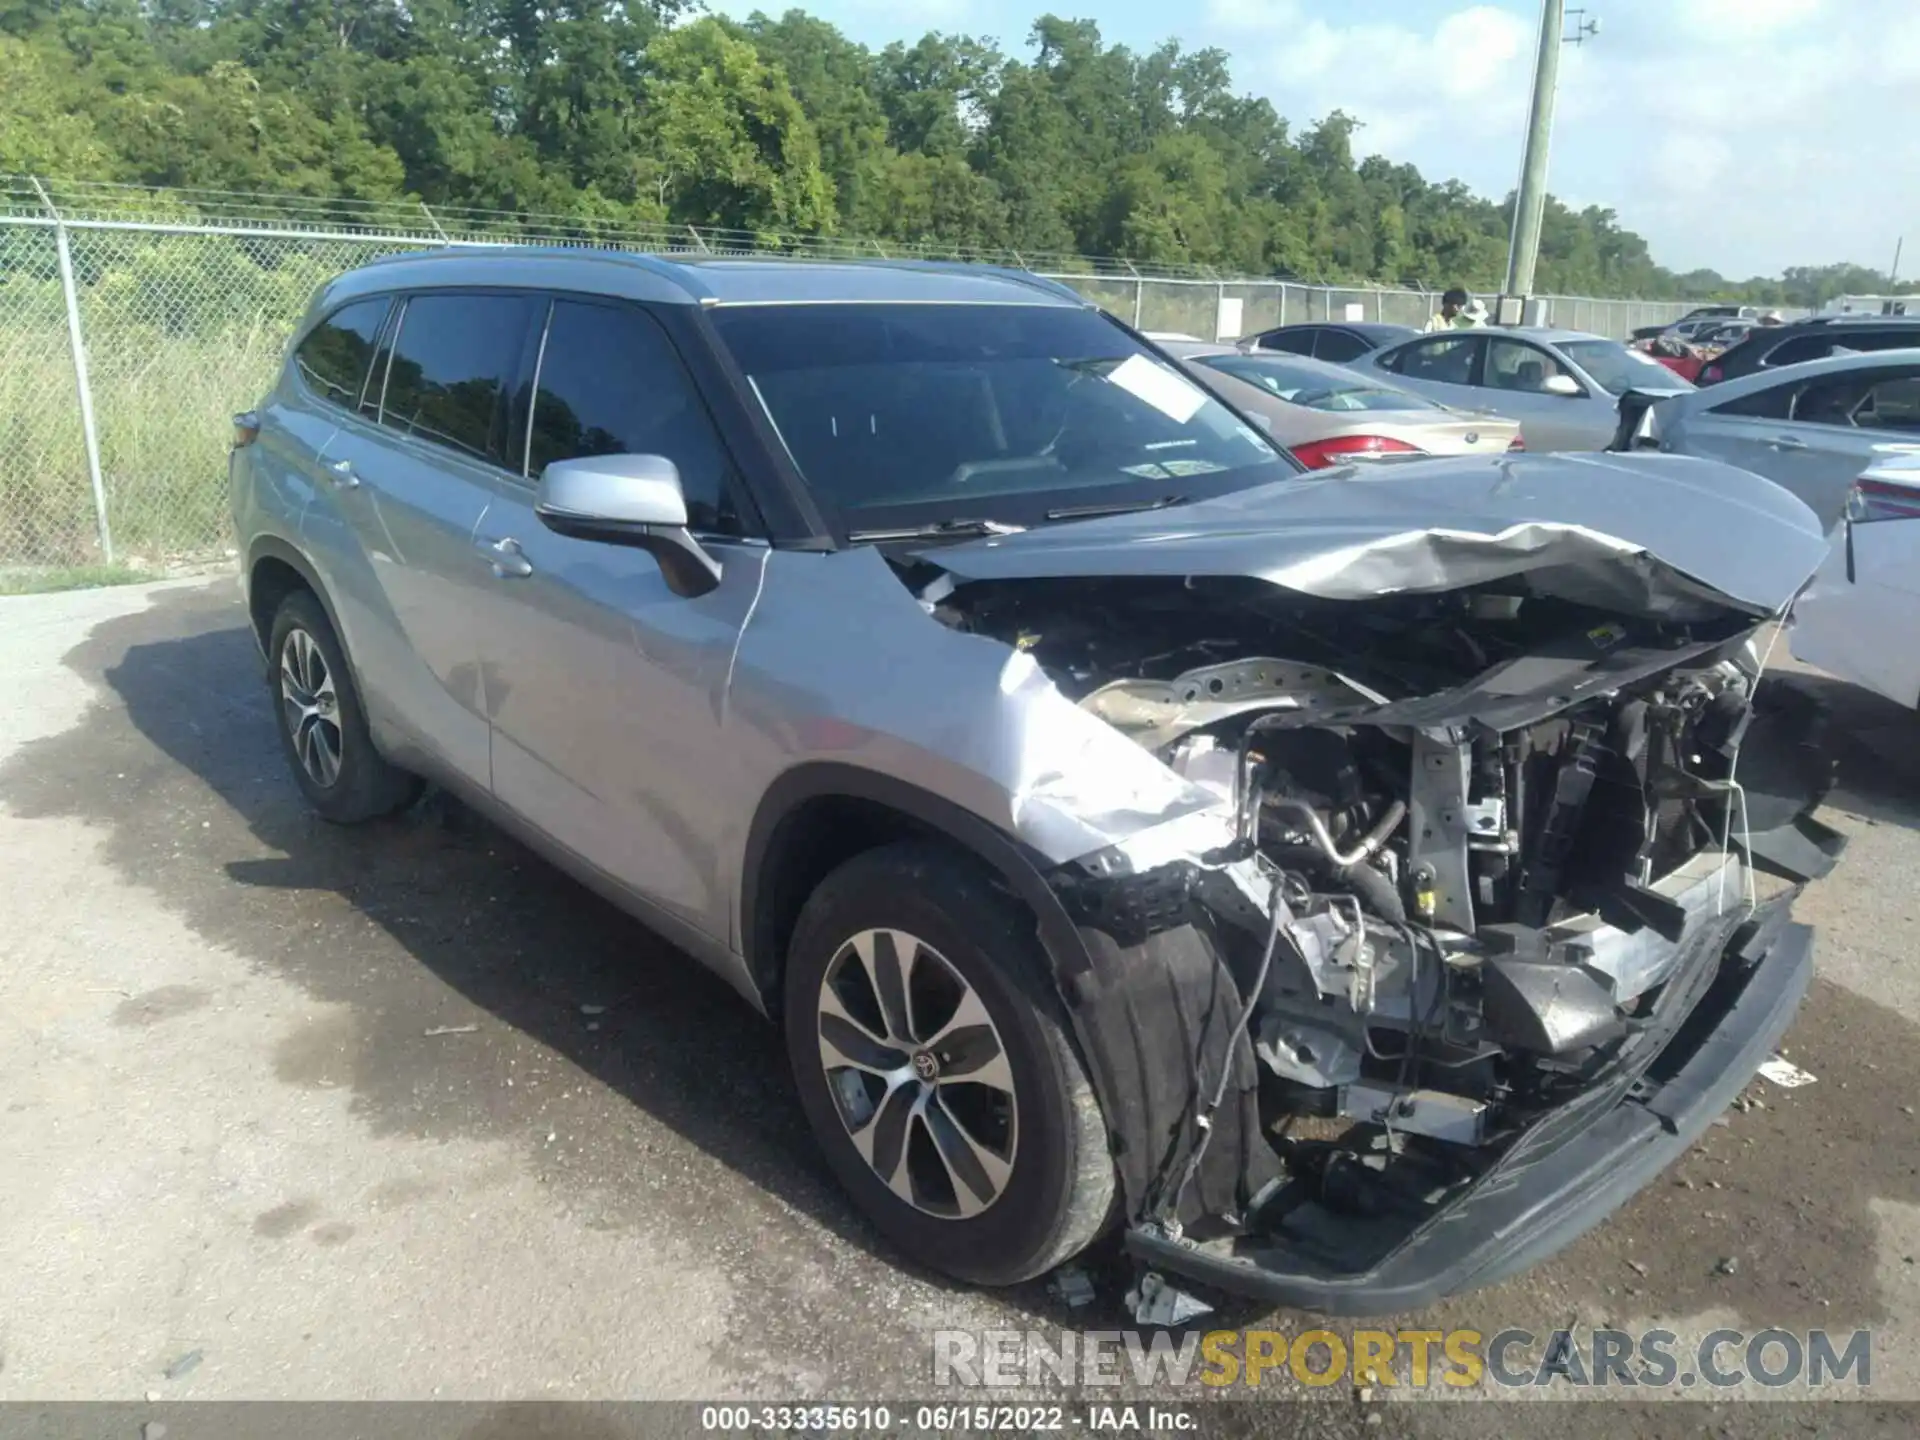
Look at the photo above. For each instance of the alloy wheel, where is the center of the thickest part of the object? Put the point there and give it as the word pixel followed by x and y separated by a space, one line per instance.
pixel 310 707
pixel 918 1073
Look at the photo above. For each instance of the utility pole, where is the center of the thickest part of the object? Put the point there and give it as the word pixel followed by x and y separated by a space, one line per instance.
pixel 1893 275
pixel 1530 202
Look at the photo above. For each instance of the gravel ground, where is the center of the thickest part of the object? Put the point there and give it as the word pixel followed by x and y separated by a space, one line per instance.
pixel 402 1113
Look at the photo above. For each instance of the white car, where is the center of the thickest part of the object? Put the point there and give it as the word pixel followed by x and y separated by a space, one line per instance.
pixel 1860 618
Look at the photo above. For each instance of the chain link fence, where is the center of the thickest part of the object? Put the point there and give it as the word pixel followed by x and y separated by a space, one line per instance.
pixel 121 366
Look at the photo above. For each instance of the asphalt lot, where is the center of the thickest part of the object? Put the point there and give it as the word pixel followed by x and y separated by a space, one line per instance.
pixel 403 1113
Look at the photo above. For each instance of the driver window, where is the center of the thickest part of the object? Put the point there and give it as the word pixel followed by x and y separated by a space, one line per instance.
pixel 612 384
pixel 1515 365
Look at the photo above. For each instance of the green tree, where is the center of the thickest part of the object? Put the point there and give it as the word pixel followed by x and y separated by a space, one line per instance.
pixel 618 110
pixel 730 141
pixel 40 131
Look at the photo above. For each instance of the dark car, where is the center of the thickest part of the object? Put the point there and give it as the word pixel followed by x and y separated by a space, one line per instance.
pixel 1815 339
pixel 1348 340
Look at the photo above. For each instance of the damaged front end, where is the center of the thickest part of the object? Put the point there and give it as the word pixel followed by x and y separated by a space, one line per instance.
pixel 1488 918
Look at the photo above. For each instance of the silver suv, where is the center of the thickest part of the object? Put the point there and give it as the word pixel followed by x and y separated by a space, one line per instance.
pixel 1308 877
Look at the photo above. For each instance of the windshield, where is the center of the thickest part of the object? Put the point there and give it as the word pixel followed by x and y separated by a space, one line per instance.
pixel 1316 389
pixel 1617 369
pixel 898 414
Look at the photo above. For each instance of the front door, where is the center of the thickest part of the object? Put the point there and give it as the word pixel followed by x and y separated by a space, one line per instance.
pixel 606 691
pixel 1514 384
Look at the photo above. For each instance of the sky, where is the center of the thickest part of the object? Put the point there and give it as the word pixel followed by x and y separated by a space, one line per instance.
pixel 1741 135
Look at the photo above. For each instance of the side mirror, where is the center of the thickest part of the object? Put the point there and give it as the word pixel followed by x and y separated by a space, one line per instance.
pixel 631 500
pixel 1561 385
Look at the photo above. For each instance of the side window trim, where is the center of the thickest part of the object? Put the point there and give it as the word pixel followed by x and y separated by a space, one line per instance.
pixel 1477 361
pixel 533 388
pixel 393 343
pixel 383 339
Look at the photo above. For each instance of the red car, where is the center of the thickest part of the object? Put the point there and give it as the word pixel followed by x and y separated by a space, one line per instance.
pixel 1678 356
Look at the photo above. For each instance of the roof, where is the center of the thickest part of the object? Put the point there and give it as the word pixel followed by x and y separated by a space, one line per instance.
pixel 693 280
pixel 1547 334
pixel 1855 320
pixel 1544 334
pixel 1364 327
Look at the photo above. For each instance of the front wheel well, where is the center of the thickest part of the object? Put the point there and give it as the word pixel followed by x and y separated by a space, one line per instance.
pixel 807 844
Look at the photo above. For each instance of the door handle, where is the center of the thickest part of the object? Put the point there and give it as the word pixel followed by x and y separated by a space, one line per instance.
pixel 506 558
pixel 1787 442
pixel 340 472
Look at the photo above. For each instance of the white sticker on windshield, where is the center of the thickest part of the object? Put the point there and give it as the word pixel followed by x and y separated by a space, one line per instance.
pixel 1162 389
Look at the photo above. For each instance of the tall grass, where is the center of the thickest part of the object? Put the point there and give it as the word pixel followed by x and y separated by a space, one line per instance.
pixel 181 332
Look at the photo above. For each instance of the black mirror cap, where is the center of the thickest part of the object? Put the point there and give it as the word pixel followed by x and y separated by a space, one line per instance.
pixel 688 569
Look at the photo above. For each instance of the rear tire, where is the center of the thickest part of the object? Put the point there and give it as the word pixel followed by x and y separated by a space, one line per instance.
pixel 975 1143
pixel 322 724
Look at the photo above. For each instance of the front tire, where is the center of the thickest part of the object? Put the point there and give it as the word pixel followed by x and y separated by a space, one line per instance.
pixel 933 1063
pixel 322 724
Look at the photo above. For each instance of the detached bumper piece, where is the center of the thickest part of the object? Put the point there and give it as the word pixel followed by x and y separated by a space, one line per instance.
pixel 1557 1179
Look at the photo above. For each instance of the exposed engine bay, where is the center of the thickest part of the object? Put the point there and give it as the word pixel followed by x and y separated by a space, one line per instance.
pixel 1488 848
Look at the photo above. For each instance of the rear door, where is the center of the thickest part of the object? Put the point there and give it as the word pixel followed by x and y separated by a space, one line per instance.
pixel 330 368
pixel 607 691
pixel 1844 425
pixel 1860 618
pixel 409 492
pixel 1445 367
pixel 1814 438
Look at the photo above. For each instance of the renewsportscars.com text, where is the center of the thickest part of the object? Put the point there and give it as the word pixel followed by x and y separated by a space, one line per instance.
pixel 1771 1359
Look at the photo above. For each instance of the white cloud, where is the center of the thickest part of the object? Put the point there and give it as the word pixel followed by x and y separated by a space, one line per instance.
pixel 1743 134
pixel 1467 76
pixel 1725 21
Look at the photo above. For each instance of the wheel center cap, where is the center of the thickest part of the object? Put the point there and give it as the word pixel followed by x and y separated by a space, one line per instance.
pixel 926 1064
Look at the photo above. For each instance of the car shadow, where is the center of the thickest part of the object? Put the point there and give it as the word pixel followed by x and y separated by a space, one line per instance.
pixel 468 989
pixel 214 824
pixel 1872 743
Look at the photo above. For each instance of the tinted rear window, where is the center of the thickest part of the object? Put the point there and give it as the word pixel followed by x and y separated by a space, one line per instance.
pixel 333 358
pixel 1340 345
pixel 453 361
pixel 1289 342
pixel 1822 342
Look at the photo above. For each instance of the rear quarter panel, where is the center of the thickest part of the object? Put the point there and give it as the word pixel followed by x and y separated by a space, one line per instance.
pixel 1866 629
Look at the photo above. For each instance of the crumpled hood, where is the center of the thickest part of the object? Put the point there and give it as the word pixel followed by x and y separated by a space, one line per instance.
pixel 1661 535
